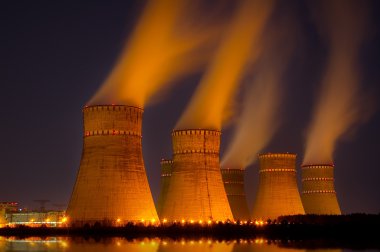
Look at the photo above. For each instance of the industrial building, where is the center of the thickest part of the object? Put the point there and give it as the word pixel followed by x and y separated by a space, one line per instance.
pixel 12 216
pixel 196 191
pixel 277 193
pixel 112 187
pixel 233 180
pixel 318 192
pixel 36 219
pixel 166 173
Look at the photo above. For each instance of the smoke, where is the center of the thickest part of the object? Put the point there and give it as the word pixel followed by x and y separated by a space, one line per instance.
pixel 340 105
pixel 166 44
pixel 209 104
pixel 260 116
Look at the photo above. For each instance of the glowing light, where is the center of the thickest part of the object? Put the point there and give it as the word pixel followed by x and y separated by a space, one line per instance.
pixel 64 244
pixel 183 221
pixel 145 67
pixel 341 103
pixel 165 220
pixel 191 221
pixel 64 219
pixel 209 222
pixel 153 220
pixel 209 106
pixel 118 220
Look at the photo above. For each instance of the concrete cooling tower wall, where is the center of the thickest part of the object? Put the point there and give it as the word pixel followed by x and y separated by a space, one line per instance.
pixel 166 173
pixel 278 192
pixel 233 180
pixel 111 187
pixel 318 195
pixel 196 190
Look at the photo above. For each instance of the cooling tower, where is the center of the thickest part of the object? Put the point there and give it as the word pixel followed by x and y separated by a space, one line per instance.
pixel 318 195
pixel 166 173
pixel 196 189
pixel 278 193
pixel 111 187
pixel 233 180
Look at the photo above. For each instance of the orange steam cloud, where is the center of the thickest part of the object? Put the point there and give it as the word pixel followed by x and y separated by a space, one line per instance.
pixel 260 116
pixel 339 106
pixel 208 105
pixel 164 45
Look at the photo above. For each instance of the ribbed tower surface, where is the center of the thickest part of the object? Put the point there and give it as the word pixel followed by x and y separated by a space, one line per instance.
pixel 196 190
pixel 318 195
pixel 166 173
pixel 111 187
pixel 233 180
pixel 278 192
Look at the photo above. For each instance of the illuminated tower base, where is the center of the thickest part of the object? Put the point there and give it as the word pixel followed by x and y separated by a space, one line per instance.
pixel 233 180
pixel 111 187
pixel 196 190
pixel 318 195
pixel 278 193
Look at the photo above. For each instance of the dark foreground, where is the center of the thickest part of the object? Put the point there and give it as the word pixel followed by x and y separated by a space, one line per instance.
pixel 358 231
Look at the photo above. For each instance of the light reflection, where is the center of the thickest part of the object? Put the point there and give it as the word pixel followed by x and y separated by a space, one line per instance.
pixel 79 244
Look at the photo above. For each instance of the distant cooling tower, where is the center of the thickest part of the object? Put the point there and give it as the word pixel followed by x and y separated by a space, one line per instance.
pixel 111 187
pixel 196 189
pixel 278 192
pixel 166 173
pixel 318 195
pixel 233 180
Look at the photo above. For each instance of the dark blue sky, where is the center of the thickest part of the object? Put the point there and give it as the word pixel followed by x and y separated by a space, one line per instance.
pixel 54 55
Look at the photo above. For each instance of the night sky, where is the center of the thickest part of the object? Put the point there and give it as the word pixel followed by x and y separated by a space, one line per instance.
pixel 54 55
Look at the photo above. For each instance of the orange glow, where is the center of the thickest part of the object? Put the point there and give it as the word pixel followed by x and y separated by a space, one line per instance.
pixel 162 47
pixel 340 104
pixel 260 114
pixel 209 105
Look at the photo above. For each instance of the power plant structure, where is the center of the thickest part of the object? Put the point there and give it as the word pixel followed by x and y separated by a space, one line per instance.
pixel 112 187
pixel 196 191
pixel 233 180
pixel 278 193
pixel 318 192
pixel 166 173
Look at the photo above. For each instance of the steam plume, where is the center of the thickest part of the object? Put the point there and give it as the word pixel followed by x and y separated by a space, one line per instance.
pixel 260 118
pixel 208 105
pixel 164 45
pixel 338 108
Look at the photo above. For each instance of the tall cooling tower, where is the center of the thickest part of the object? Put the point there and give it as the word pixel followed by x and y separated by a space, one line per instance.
pixel 233 180
pixel 196 190
pixel 278 193
pixel 166 173
pixel 111 187
pixel 318 195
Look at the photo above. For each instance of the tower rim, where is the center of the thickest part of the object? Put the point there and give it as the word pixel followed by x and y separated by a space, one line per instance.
pixel 193 131
pixel 314 165
pixel 111 105
pixel 279 154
